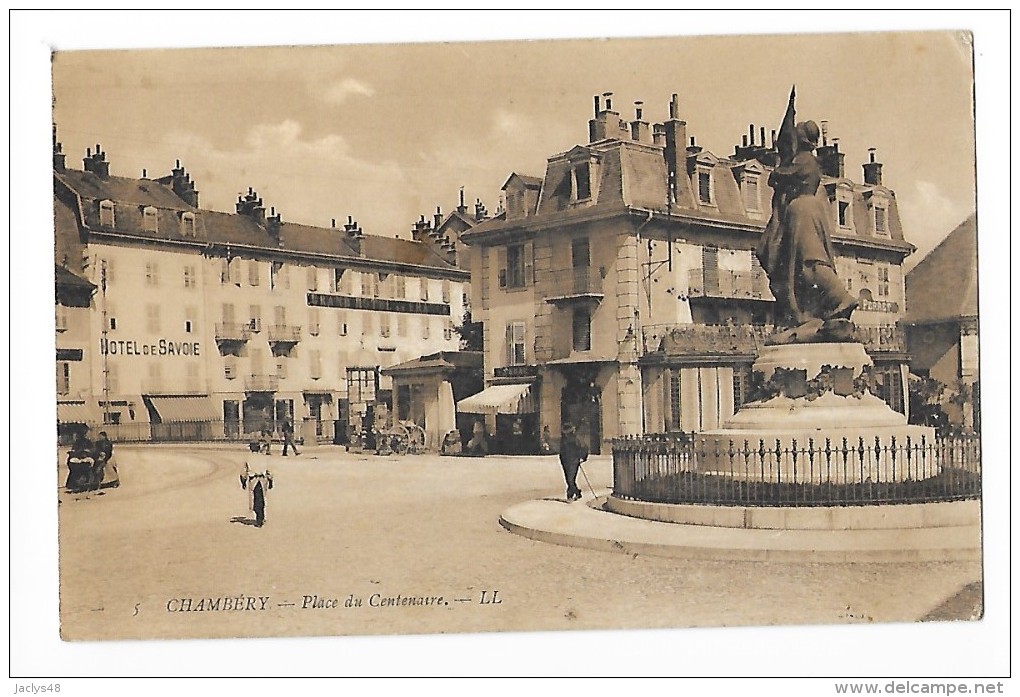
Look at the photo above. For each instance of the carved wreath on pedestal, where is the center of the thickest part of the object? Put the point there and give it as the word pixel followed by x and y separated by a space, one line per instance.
pixel 793 383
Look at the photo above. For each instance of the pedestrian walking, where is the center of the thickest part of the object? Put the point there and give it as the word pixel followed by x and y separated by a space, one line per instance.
pixel 288 437
pixel 572 454
pixel 258 480
pixel 103 449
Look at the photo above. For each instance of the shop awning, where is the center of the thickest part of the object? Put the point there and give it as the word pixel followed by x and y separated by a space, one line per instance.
pixel 500 399
pixel 185 408
pixel 78 413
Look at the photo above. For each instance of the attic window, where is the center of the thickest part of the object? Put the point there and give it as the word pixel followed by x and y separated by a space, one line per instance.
pixel 188 224
pixel 106 218
pixel 881 220
pixel 582 181
pixel 150 220
pixel 705 189
pixel 844 207
pixel 750 189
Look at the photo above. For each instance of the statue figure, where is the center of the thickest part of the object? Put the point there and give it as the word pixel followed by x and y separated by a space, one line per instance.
pixel 795 251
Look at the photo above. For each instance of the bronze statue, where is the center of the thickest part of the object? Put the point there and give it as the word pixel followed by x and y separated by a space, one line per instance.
pixel 795 251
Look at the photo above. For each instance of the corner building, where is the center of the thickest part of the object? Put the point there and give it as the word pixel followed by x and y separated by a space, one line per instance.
pixel 209 325
pixel 621 291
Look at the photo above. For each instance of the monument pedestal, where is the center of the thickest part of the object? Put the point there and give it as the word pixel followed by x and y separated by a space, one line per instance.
pixel 816 423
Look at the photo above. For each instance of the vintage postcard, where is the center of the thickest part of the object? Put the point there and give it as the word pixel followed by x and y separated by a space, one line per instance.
pixel 481 337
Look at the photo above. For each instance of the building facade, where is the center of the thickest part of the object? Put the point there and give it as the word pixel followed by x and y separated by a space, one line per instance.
pixel 621 292
pixel 206 324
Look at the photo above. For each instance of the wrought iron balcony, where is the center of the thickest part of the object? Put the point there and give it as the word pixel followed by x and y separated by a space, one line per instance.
pixel 576 283
pixel 722 283
pixel 284 334
pixel 233 331
pixel 261 383
pixel 705 339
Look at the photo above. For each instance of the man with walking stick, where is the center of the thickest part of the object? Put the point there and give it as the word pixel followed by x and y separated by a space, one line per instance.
pixel 572 454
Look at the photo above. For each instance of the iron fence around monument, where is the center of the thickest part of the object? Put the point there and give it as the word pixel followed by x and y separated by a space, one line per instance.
pixel 673 468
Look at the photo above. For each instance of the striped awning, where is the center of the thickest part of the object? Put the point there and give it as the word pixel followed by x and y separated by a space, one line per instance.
pixel 185 408
pixel 500 399
pixel 78 413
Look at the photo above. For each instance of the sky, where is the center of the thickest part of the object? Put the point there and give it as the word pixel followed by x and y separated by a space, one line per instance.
pixel 387 132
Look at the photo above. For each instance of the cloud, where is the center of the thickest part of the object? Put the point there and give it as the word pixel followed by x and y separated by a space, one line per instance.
pixel 340 90
pixel 928 215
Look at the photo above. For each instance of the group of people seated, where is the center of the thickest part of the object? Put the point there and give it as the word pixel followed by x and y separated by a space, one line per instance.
pixel 89 463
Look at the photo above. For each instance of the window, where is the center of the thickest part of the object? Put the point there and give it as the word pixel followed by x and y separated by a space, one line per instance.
pixel 229 367
pixel 448 330
pixel 255 315
pixel 188 224
pixel 150 220
pixel 341 320
pixel 190 277
pixel 111 317
pixel 61 318
pixel 883 281
pixel 401 325
pixel 425 327
pixel 384 325
pixel 515 333
pixel 152 318
pixel 278 276
pixel 580 256
pixel 843 213
pixel 446 291
pixel 189 320
pixel 582 181
pixel 515 266
pixel 313 321
pixel 315 365
pixel 224 271
pixel 281 367
pixel 338 275
pixel 362 384
pixel 313 278
pixel 106 217
pixel 705 189
pixel 881 220
pixel 369 285
pixel 750 191
pixel 582 330
pixel 399 287
pixel 253 273
pixel 424 282
pixel 346 282
pixel 63 377
pixel 151 274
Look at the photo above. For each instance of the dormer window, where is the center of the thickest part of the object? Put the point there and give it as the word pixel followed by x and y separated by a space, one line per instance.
pixel 881 219
pixel 582 181
pixel 150 220
pixel 188 224
pixel 106 217
pixel 706 187
pixel 750 190
pixel 844 207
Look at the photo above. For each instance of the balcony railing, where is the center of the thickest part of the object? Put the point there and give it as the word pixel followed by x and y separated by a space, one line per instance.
pixel 233 331
pixel 284 333
pixel 261 383
pixel 576 281
pixel 722 283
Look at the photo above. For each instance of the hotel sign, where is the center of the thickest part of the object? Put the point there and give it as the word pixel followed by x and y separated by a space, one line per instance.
pixel 163 347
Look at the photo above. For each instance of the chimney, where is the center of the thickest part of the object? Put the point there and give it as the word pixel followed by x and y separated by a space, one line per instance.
pixel 825 132
pixel 97 163
pixel 659 134
pixel 831 159
pixel 675 135
pixel 180 182
pixel 274 223
pixel 693 148
pixel 480 212
pixel 750 132
pixel 354 234
pixel 872 170
pixel 461 208
pixel 639 129
pixel 599 127
pixel 59 159
pixel 438 218
pixel 251 205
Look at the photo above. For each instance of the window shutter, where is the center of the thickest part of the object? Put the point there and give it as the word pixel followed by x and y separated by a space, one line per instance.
pixel 501 265
pixel 529 263
pixel 510 344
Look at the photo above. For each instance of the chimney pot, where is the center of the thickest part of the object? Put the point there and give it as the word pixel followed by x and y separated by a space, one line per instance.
pixel 598 105
pixel 674 107
pixel 762 136
pixel 144 174
pixel 638 110
pixel 871 154
pixel 743 141
pixel 692 141
pixel 88 152
pixel 609 100
pixel 750 132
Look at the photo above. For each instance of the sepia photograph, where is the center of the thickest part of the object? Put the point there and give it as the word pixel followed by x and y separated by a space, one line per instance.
pixel 501 343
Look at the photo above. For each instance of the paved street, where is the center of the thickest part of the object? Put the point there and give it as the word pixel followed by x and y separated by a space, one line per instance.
pixel 417 527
